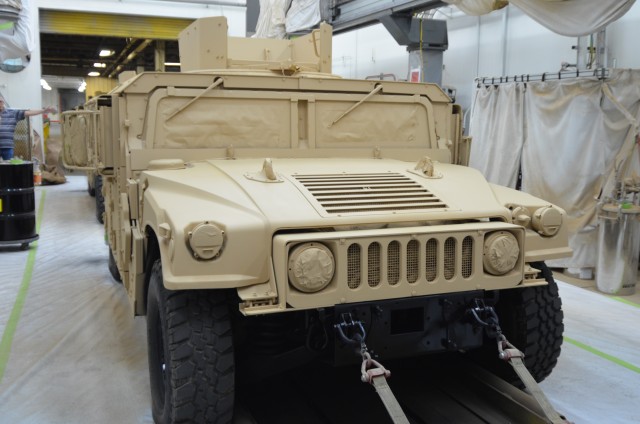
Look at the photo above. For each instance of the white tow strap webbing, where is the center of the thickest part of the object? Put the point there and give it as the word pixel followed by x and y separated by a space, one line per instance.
pixel 389 400
pixel 531 385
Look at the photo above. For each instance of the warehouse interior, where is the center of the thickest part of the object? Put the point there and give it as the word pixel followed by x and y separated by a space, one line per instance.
pixel 552 111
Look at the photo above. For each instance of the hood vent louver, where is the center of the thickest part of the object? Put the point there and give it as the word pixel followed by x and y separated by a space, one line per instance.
pixel 369 193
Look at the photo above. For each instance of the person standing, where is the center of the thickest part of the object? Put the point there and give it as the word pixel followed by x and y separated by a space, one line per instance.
pixel 8 120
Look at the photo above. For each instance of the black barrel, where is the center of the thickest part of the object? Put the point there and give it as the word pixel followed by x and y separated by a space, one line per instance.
pixel 17 204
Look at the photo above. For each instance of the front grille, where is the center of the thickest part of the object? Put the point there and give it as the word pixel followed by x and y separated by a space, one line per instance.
pixel 410 261
pixel 369 193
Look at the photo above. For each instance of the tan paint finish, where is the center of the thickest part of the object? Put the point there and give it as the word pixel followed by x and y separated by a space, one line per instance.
pixel 237 148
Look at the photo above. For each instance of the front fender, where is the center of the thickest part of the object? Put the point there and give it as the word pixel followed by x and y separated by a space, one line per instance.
pixel 244 258
pixel 537 247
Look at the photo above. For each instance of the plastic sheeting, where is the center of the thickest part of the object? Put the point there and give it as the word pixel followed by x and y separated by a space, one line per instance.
pixel 477 7
pixel 278 18
pixel 303 15
pixel 566 17
pixel 78 355
pixel 271 20
pixel 16 42
pixel 574 17
pixel 572 133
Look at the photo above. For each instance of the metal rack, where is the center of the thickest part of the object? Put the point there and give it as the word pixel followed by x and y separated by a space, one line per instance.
pixel 599 73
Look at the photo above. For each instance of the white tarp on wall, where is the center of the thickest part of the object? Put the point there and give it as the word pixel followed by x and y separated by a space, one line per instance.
pixel 572 134
pixel 567 17
pixel 574 17
pixel 504 106
pixel 271 20
pixel 278 18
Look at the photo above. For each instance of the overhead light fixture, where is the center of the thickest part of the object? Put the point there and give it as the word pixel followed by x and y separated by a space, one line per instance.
pixel 106 53
pixel 99 65
pixel 171 63
pixel 44 84
pixel 93 74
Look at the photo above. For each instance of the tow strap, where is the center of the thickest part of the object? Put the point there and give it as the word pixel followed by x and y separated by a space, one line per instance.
pixel 372 371
pixel 486 316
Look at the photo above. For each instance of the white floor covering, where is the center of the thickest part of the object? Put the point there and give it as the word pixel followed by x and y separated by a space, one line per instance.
pixel 78 356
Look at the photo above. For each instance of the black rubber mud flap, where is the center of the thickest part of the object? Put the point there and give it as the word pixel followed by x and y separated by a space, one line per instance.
pixel 113 268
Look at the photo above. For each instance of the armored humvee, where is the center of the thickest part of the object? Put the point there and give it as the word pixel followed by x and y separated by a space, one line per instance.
pixel 255 203
pixel 84 127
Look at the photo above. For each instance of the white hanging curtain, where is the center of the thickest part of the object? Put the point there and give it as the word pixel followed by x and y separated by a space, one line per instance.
pixel 564 157
pixel 567 17
pixel 497 126
pixel 572 134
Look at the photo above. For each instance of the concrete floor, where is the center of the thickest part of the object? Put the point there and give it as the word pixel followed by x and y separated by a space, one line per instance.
pixel 72 353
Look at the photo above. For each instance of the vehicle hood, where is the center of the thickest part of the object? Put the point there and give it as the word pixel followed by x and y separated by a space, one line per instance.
pixel 339 192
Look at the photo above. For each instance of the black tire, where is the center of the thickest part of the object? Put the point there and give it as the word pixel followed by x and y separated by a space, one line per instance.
pixel 191 361
pixel 113 268
pixel 532 320
pixel 99 199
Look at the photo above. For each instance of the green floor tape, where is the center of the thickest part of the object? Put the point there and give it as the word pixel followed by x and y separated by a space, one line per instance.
pixel 603 355
pixel 626 302
pixel 12 324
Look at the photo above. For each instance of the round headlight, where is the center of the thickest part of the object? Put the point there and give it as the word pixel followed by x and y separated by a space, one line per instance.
pixel 311 267
pixel 501 253
pixel 206 241
pixel 547 220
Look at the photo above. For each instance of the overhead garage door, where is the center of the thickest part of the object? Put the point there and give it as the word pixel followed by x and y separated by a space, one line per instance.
pixel 82 23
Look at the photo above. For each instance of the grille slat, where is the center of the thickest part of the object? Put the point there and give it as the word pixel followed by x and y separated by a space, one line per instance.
pixel 467 257
pixel 353 266
pixel 393 263
pixel 374 265
pixel 449 258
pixel 369 193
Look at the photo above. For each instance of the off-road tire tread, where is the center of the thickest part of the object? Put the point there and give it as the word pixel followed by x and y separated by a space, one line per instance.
pixel 532 320
pixel 99 199
pixel 201 362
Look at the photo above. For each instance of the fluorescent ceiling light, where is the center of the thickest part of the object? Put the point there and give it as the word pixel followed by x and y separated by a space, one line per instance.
pixel 171 63
pixel 105 53
pixel 93 74
pixel 45 84
pixel 99 65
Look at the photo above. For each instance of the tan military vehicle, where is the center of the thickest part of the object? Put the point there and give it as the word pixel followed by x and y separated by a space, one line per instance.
pixel 83 126
pixel 259 208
